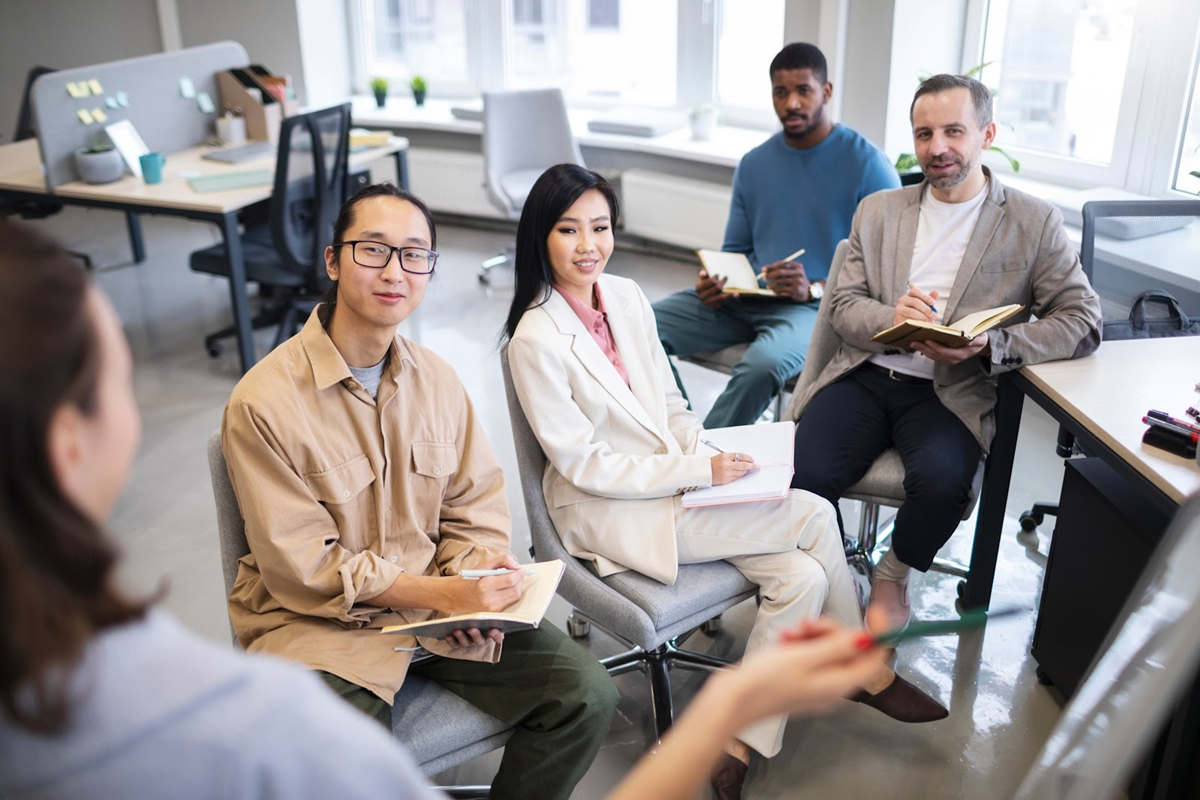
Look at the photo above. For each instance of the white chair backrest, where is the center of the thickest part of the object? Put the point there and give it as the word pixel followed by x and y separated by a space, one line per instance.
pixel 524 130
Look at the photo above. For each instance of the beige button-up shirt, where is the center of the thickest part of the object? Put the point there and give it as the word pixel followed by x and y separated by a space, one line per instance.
pixel 341 493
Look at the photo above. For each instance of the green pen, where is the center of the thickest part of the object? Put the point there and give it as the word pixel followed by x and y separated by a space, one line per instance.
pixel 968 621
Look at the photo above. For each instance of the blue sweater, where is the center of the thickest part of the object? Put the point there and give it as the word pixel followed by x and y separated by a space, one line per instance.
pixel 785 199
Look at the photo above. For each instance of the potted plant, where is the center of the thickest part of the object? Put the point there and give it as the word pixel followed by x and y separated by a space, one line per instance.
pixel 418 89
pixel 704 122
pixel 99 163
pixel 379 87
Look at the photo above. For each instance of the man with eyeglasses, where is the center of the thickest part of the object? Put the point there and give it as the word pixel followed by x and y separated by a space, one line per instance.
pixel 367 486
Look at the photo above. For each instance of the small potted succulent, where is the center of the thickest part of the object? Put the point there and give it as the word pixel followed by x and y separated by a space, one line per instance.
pixel 99 163
pixel 379 87
pixel 418 89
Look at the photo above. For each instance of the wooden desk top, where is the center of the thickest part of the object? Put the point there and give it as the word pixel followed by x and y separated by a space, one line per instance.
pixel 1110 391
pixel 20 169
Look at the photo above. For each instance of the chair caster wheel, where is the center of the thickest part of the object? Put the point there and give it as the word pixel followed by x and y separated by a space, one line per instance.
pixel 961 589
pixel 578 628
pixel 1030 521
pixel 1043 678
pixel 214 350
pixel 711 626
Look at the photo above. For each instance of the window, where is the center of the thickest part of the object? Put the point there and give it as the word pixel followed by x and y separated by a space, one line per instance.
pixel 1187 176
pixel 1061 67
pixel 417 37
pixel 748 37
pixel 585 48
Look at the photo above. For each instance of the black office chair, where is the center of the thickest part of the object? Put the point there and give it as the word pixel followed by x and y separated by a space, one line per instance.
pixel 285 254
pixel 1144 236
pixel 911 178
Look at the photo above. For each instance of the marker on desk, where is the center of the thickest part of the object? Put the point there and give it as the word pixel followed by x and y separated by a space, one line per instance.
pixel 476 574
pixel 932 307
pixel 1165 417
pixel 1183 433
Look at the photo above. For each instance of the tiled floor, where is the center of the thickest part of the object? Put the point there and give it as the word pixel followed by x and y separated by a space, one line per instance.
pixel 166 526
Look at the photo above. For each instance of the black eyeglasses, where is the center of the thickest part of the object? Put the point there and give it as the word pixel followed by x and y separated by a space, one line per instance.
pixel 376 255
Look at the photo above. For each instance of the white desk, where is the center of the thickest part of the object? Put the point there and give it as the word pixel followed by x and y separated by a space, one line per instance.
pixel 1101 400
pixel 21 178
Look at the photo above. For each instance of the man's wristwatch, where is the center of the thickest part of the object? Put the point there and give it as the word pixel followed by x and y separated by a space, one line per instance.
pixel 816 291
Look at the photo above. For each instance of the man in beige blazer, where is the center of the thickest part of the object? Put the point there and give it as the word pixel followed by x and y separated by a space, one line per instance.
pixel 959 242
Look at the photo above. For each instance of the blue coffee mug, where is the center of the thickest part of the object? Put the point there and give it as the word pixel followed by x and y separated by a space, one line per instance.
pixel 152 166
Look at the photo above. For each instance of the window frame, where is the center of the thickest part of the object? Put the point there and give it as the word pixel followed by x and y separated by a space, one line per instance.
pixel 1153 108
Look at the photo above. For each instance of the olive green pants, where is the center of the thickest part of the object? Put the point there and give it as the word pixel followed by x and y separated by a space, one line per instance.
pixel 558 696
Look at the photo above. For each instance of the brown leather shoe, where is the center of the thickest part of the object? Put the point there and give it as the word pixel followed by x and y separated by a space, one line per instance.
pixel 903 701
pixel 728 777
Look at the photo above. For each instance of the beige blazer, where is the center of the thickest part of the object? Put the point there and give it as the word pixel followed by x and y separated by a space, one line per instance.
pixel 1018 253
pixel 617 455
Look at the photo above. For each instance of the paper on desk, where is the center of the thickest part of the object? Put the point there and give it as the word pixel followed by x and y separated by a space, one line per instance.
pixel 771 446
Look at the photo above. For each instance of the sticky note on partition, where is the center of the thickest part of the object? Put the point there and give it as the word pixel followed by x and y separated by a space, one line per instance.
pixel 98 115
pixel 123 99
pixel 186 87
pixel 95 86
pixel 205 102
pixel 85 116
pixel 111 102
pixel 73 89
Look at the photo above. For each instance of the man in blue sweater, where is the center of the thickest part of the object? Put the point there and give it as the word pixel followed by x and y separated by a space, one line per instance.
pixel 796 190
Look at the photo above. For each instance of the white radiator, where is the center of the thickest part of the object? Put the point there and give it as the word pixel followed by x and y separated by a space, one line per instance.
pixel 450 181
pixel 680 211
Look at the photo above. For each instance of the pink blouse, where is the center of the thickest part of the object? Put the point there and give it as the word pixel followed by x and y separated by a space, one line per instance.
pixel 596 321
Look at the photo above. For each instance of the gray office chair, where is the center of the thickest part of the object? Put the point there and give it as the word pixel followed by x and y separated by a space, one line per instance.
pixel 883 485
pixel 525 133
pixel 437 727
pixel 652 617
pixel 1150 244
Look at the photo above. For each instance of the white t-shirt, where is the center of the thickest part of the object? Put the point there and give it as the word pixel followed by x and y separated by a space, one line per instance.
pixel 943 231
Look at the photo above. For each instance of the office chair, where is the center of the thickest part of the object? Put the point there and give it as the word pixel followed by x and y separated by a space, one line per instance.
pixel 883 484
pixel 525 133
pixel 725 360
pixel 652 617
pixel 34 209
pixel 285 254
pixel 1150 244
pixel 437 727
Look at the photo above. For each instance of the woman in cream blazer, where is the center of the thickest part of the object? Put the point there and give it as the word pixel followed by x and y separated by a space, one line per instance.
pixel 620 441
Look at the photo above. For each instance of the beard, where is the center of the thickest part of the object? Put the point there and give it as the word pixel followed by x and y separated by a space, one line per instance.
pixel 950 179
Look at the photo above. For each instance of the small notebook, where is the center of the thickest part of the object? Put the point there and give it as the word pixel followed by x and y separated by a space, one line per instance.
pixel 223 182
pixel 739 275
pixel 772 448
pixel 537 591
pixel 957 334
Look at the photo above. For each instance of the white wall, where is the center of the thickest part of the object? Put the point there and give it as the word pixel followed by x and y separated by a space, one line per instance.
pixel 325 51
pixel 67 33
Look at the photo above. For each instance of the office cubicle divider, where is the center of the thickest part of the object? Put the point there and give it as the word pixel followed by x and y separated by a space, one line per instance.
pixel 171 99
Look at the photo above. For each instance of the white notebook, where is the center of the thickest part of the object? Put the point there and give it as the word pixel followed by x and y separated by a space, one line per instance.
pixel 771 446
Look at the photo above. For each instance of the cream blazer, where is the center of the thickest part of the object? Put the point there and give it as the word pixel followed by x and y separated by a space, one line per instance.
pixel 617 455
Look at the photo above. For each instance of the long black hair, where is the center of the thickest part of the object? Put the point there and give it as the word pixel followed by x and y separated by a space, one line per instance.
pixel 555 191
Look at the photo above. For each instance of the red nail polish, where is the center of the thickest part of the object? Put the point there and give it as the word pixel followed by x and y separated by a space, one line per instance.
pixel 863 641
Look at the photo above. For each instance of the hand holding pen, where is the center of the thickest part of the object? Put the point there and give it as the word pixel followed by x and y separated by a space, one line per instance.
pixel 728 467
pixel 916 304
pixel 787 278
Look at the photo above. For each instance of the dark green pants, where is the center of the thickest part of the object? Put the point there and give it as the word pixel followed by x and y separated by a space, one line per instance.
pixel 558 696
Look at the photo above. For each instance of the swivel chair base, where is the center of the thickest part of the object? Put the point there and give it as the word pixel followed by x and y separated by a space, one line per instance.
pixel 656 664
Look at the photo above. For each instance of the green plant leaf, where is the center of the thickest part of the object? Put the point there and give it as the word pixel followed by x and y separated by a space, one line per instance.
pixel 1012 162
pixel 906 162
pixel 977 70
pixel 1195 173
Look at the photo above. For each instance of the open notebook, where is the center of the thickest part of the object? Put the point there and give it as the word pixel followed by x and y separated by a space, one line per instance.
pixel 771 446
pixel 537 590
pixel 735 268
pixel 956 334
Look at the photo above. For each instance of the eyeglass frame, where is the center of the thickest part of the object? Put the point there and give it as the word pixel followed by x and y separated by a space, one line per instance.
pixel 391 251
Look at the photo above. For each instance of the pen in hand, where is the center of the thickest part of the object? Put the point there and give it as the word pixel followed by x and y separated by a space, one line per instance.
pixel 763 274
pixel 932 307
pixel 476 574
pixel 710 444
